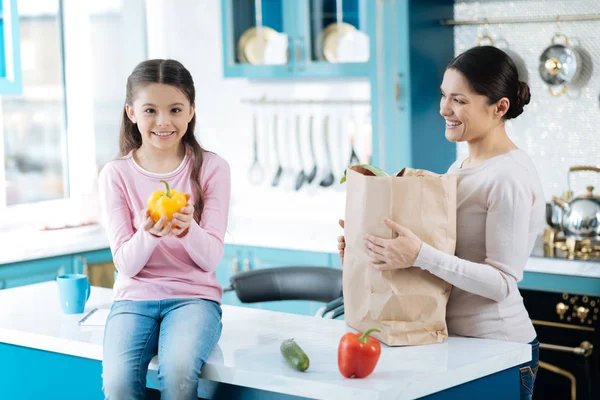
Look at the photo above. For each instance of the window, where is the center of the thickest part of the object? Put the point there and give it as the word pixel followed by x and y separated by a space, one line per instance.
pixel 57 134
pixel 33 123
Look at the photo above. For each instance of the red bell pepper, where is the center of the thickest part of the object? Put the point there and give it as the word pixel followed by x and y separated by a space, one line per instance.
pixel 358 354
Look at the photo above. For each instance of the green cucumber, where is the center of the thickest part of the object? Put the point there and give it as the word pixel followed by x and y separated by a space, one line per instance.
pixel 294 355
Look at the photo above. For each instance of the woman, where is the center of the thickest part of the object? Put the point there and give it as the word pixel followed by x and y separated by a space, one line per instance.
pixel 500 208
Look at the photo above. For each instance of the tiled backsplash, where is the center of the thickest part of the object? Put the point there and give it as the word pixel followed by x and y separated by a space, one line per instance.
pixel 557 132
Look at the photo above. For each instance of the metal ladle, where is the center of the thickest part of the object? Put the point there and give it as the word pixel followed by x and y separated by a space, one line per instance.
pixel 328 179
pixel 277 156
pixel 301 177
pixel 313 173
pixel 256 173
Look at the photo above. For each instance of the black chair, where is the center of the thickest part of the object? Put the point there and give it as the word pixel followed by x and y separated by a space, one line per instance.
pixel 321 284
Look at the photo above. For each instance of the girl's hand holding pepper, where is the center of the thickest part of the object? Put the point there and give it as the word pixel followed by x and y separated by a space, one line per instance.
pixel 182 219
pixel 160 228
pixel 170 212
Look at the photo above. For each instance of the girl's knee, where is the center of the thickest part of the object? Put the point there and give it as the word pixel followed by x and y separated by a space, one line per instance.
pixel 122 385
pixel 179 376
pixel 121 379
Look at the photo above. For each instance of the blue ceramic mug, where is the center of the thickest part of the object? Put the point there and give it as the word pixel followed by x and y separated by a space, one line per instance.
pixel 74 291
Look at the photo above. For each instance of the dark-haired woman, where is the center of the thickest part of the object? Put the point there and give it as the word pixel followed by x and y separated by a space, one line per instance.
pixel 500 208
pixel 167 298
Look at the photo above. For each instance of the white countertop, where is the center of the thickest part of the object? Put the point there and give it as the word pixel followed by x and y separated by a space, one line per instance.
pixel 248 351
pixel 32 244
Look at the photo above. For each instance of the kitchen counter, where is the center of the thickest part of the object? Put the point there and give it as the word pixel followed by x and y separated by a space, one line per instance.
pixel 32 244
pixel 29 244
pixel 247 355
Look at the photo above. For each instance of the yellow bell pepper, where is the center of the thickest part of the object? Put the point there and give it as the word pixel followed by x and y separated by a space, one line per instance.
pixel 165 204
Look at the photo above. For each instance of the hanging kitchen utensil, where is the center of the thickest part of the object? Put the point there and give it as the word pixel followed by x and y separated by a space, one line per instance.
pixel 368 137
pixel 311 176
pixel 559 65
pixel 328 178
pixel 256 173
pixel 502 44
pixel 484 40
pixel 581 215
pixel 301 177
pixel 279 171
pixel 288 176
pixel 353 156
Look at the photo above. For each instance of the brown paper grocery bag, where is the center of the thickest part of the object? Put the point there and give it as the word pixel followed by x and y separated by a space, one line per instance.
pixel 407 305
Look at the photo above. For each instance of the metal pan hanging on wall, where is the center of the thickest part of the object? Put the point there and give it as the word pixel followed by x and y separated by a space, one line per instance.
pixel 559 65
pixel 502 44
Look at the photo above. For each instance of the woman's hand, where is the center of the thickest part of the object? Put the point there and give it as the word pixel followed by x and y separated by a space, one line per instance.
pixel 183 219
pixel 161 228
pixel 398 253
pixel 341 242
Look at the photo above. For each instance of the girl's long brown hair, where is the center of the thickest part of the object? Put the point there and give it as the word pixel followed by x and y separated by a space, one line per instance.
pixel 169 72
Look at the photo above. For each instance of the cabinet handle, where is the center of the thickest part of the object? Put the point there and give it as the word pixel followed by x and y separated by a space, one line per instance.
pixel 84 269
pixel 289 53
pixel 300 53
pixel 2 284
pixel 584 349
pixel 235 264
pixel 399 77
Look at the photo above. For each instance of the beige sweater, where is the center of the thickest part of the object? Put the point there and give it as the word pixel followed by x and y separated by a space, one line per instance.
pixel 500 211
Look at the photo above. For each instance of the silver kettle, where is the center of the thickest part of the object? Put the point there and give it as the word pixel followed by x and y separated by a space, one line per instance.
pixel 581 214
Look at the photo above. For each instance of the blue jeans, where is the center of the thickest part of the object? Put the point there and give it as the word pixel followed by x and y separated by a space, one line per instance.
pixel 529 371
pixel 182 332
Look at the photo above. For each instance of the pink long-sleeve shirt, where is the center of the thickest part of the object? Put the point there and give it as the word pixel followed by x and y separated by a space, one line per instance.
pixel 154 268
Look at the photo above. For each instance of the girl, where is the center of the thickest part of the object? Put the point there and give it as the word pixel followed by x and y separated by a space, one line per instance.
pixel 500 208
pixel 167 298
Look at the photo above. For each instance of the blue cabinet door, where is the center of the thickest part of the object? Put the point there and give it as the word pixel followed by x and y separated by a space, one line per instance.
pixel 307 35
pixel 241 38
pixel 81 260
pixel 35 271
pixel 10 48
pixel 320 46
pixel 410 51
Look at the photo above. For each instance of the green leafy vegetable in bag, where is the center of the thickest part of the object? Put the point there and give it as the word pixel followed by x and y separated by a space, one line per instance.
pixel 373 169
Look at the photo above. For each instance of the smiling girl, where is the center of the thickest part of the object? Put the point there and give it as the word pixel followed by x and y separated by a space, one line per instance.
pixel 500 208
pixel 167 298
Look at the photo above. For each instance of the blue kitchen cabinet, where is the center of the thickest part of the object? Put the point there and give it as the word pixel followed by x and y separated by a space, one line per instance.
pixel 547 282
pixel 85 259
pixel 410 51
pixel 10 48
pixel 34 271
pixel 301 35
pixel 236 259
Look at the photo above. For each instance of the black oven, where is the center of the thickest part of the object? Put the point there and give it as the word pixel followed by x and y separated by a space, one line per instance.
pixel 568 329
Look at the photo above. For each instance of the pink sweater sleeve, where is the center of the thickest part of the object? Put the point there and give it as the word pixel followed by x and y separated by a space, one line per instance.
pixel 205 242
pixel 507 239
pixel 130 248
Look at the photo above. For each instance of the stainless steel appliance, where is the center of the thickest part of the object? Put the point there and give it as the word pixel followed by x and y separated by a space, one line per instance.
pixel 568 324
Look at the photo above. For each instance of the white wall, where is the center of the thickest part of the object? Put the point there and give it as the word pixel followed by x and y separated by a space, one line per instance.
pixel 190 31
